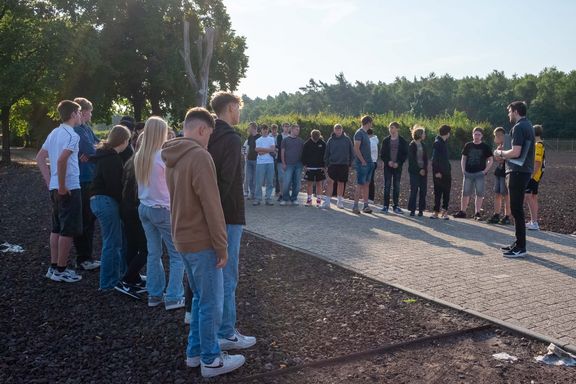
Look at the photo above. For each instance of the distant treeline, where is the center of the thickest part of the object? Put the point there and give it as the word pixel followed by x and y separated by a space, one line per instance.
pixel 550 95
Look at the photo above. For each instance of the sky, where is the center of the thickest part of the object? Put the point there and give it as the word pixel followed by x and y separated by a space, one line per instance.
pixel 292 41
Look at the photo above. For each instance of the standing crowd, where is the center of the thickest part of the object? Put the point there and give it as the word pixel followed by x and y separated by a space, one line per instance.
pixel 150 191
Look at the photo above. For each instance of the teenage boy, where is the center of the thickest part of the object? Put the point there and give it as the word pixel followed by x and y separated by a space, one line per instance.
pixel 62 178
pixel 363 163
pixel 291 152
pixel 475 163
pixel 265 147
pixel 374 151
pixel 86 148
pixel 532 189
pixel 393 153
pixel 280 171
pixel 442 173
pixel 224 146
pixel 500 190
pixel 519 169
pixel 338 159
pixel 199 233
pixel 313 161
pixel 251 156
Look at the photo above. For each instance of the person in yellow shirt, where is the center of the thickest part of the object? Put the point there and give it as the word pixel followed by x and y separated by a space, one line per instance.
pixel 532 188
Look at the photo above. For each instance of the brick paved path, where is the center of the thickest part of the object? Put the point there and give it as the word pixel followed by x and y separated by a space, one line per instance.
pixel 455 261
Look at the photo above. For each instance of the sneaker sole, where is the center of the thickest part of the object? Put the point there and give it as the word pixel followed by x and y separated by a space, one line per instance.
pixel 229 345
pixel 175 306
pixel 222 371
pixel 127 293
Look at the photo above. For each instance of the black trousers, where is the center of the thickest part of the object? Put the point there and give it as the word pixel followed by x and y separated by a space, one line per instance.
pixel 84 243
pixel 391 181
pixel 136 247
pixel 417 190
pixel 517 183
pixel 442 192
pixel 371 188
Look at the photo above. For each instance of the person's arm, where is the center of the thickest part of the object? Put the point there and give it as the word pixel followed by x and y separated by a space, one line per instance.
pixel 358 153
pixel 509 154
pixel 229 164
pixel 41 162
pixel 463 163
pixel 283 154
pixel 489 162
pixel 62 165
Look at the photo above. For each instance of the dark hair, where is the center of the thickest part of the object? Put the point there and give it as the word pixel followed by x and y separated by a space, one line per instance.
pixel 198 114
pixel 139 126
pixel 499 130
pixel 366 120
pixel 478 129
pixel 518 106
pixel 264 126
pixel 128 122
pixel 444 130
pixel 417 132
pixel 66 108
pixel 370 131
pixel 538 130
pixel 394 124
pixel 220 100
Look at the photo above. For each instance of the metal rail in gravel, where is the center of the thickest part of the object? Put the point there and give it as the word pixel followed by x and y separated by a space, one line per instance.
pixel 345 359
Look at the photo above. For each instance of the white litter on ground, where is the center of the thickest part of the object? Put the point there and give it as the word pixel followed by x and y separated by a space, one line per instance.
pixel 557 356
pixel 12 248
pixel 504 356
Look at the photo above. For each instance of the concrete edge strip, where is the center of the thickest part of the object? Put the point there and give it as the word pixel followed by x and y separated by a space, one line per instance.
pixel 513 327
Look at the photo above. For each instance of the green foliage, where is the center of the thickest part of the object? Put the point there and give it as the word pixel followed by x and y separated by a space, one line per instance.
pixel 461 126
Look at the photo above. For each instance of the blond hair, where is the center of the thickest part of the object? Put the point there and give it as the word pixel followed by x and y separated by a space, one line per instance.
pixel 155 134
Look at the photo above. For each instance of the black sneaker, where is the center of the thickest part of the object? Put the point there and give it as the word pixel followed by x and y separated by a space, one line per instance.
pixel 420 213
pixel 515 253
pixel 140 287
pixel 495 219
pixel 505 221
pixel 477 216
pixel 460 215
pixel 412 213
pixel 127 289
pixel 508 247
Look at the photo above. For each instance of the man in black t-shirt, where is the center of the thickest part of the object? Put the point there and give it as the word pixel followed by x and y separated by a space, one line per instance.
pixel 476 162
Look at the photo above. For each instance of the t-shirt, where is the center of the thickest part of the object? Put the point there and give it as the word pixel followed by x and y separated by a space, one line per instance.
pixel 476 156
pixel 522 134
pixel 265 142
pixel 539 156
pixel 292 147
pixel 364 140
pixel 156 192
pixel 252 147
pixel 374 148
pixel 394 145
pixel 60 139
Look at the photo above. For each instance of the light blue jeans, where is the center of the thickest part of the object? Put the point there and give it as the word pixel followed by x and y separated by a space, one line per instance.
pixel 264 176
pixel 230 273
pixel 156 224
pixel 292 180
pixel 206 281
pixel 112 264
pixel 250 177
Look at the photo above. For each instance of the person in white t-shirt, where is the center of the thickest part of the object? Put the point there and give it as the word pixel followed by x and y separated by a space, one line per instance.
pixel 266 148
pixel 62 178
pixel 374 150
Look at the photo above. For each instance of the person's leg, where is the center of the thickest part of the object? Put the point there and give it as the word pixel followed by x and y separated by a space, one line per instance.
pixel 251 177
pixel 414 185
pixel 230 275
pixel 287 182
pixel 296 182
pixel 280 189
pixel 155 275
pixel 422 192
pixel 340 189
pixel 137 245
pixel 438 191
pixel 246 185
pixel 84 241
pixel 276 181
pixel 497 203
pixel 480 187
pixel 467 184
pixel 371 188
pixel 105 209
pixel 64 246
pixel 447 185
pixel 396 175
pixel 54 249
pixel 175 287
pixel 516 187
pixel 387 184
pixel 259 179
pixel 269 181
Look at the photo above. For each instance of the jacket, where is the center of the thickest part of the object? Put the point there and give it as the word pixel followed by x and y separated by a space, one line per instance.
pixel 313 153
pixel 440 159
pixel 196 213
pixel 107 174
pixel 339 151
pixel 225 146
pixel 413 167
pixel 130 201
pixel 402 151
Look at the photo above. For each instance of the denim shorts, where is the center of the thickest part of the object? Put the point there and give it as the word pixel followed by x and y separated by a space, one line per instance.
pixel 67 213
pixel 363 172
pixel 500 187
pixel 473 182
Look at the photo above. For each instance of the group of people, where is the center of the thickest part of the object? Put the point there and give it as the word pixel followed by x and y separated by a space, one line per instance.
pixel 148 190
pixel 277 159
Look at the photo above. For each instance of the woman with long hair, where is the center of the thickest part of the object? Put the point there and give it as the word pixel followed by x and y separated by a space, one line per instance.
pixel 106 195
pixel 154 211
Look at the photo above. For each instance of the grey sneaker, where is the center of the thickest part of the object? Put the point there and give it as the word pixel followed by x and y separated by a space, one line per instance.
pixel 174 304
pixel 89 265
pixel 223 364
pixel 367 210
pixel 68 276
pixel 236 341
pixel 355 210
pixel 154 301
pixel 398 211
pixel 50 272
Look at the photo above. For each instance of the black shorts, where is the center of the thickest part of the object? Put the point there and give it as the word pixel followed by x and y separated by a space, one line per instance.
pixel 532 187
pixel 67 213
pixel 314 175
pixel 338 172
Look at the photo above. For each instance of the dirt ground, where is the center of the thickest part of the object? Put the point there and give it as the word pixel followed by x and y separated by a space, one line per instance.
pixel 302 310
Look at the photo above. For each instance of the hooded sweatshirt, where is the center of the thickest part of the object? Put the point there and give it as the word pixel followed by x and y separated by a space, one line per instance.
pixel 339 151
pixel 107 174
pixel 196 213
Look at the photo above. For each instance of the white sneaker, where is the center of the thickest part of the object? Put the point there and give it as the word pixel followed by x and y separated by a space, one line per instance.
pixel 193 362
pixel 68 276
pixel 89 265
pixel 223 364
pixel 283 203
pixel 187 317
pixel 237 341
pixel 326 205
pixel 533 226
pixel 340 204
pixel 50 272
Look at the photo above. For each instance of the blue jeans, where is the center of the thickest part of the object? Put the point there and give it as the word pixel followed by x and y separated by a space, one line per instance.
pixel 230 274
pixel 250 175
pixel 206 283
pixel 112 264
pixel 292 179
pixel 156 224
pixel 264 174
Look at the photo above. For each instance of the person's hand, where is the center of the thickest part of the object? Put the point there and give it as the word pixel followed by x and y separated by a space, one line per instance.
pixel 63 191
pixel 221 260
pixel 391 164
pixel 283 166
pixel 438 175
pixel 395 165
pixel 422 172
pixel 364 163
pixel 84 158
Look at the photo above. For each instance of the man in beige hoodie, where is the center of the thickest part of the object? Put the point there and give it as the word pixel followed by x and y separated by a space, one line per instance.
pixel 199 234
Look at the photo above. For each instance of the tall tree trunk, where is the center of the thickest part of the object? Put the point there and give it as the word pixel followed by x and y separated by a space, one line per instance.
pixel 205 49
pixel 5 119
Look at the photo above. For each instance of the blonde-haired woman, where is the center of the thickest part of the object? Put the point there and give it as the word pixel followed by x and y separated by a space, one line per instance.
pixel 154 211
pixel 106 195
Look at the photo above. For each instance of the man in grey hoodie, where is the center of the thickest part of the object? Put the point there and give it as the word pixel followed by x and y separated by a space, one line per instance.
pixel 337 159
